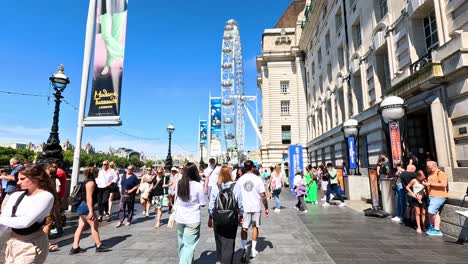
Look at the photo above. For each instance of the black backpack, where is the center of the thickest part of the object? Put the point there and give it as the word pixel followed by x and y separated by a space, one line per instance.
pixel 226 209
pixel 76 196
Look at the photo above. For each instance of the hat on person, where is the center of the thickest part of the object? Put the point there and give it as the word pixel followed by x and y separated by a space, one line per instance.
pixel 298 171
pixel 174 169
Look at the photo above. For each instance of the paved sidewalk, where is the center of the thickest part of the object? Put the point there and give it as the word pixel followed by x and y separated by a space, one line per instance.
pixel 283 239
pixel 350 237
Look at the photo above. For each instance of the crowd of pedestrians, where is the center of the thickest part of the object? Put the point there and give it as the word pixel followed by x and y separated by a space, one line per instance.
pixel 421 196
pixel 236 198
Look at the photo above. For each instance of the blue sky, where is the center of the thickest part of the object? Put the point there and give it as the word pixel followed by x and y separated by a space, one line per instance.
pixel 172 61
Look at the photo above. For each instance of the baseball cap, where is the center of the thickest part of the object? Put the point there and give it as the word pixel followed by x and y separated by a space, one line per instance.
pixel 174 169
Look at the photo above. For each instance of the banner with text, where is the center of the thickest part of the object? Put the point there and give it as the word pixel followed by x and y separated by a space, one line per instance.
pixel 109 49
pixel 215 126
pixel 352 152
pixel 295 162
pixel 203 135
pixel 395 142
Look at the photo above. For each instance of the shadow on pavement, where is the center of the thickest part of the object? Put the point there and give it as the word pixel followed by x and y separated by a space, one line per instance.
pixel 113 241
pixel 262 244
pixel 207 256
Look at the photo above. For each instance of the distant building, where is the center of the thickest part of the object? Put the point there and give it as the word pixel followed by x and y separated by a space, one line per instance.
pixel 67 145
pixel 88 149
pixel 281 81
pixel 13 145
pixel 125 153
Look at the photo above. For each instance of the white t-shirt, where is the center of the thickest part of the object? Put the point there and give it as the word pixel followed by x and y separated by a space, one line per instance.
pixel 251 186
pixel 214 176
pixel 106 177
pixel 189 212
pixel 278 180
pixel 32 209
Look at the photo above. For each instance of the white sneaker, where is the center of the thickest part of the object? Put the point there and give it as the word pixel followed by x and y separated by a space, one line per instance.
pixel 253 253
pixel 396 219
pixel 105 70
pixel 326 204
pixel 342 205
pixel 297 209
pixel 323 199
pixel 332 196
pixel 305 211
pixel 277 210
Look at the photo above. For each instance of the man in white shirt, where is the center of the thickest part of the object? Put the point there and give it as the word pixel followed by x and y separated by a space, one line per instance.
pixel 252 191
pixel 211 175
pixel 105 178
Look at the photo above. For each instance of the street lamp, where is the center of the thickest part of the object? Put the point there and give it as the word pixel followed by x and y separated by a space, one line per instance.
pixel 351 132
pixel 170 130
pixel 392 109
pixel 52 151
pixel 202 164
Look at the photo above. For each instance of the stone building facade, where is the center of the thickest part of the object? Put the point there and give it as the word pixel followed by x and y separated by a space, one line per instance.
pixel 358 52
pixel 281 81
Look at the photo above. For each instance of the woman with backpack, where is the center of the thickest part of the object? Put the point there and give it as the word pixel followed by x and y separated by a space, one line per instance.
pixel 277 184
pixel 224 224
pixel 190 196
pixel 86 214
pixel 25 213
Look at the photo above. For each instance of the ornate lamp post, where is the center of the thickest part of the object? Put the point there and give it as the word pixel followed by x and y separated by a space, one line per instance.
pixel 52 151
pixel 351 133
pixel 202 163
pixel 392 109
pixel 170 130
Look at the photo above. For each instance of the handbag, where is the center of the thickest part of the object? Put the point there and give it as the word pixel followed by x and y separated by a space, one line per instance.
pixel 165 200
pixel 171 221
pixel 128 198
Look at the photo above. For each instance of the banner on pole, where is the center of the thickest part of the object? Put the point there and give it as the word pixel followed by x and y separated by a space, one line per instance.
pixel 395 142
pixel 203 135
pixel 215 126
pixel 295 162
pixel 352 152
pixel 111 20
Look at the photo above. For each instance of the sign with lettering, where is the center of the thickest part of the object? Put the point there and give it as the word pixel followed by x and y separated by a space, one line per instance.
pixel 395 142
pixel 109 46
pixel 352 152
pixel 295 162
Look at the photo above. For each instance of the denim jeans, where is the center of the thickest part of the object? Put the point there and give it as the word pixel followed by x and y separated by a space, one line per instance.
pixel 276 194
pixel 187 236
pixel 400 199
pixel 333 188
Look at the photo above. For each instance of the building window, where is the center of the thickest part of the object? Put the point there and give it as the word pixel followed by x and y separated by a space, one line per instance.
pixel 340 56
pixel 383 70
pixel 321 84
pixel 285 134
pixel 319 58
pixel 284 107
pixel 284 85
pixel 430 31
pixel 338 21
pixel 382 9
pixel 313 69
pixel 358 92
pixel 357 35
pixel 370 85
pixel 329 72
pixel 327 42
pixel 324 12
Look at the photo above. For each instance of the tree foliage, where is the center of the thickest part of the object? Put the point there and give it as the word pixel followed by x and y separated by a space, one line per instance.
pixel 85 159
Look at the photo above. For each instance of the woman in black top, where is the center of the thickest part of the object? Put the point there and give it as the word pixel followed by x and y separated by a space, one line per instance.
pixel 86 213
pixel 159 192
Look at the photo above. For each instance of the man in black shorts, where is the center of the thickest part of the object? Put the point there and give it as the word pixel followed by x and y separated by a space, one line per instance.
pixel 406 177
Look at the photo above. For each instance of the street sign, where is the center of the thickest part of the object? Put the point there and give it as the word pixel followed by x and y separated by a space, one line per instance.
pixel 352 152
pixel 295 162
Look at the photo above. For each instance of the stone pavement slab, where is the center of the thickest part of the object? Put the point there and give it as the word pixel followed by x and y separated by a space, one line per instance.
pixel 283 238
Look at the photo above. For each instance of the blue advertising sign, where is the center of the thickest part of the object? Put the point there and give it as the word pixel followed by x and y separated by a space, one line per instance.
pixel 204 132
pixel 352 153
pixel 295 162
pixel 215 126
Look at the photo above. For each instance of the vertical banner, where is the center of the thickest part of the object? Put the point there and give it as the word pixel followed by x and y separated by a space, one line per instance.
pixel 339 174
pixel 215 126
pixel 295 162
pixel 352 152
pixel 203 136
pixel 109 49
pixel 374 188
pixel 395 141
